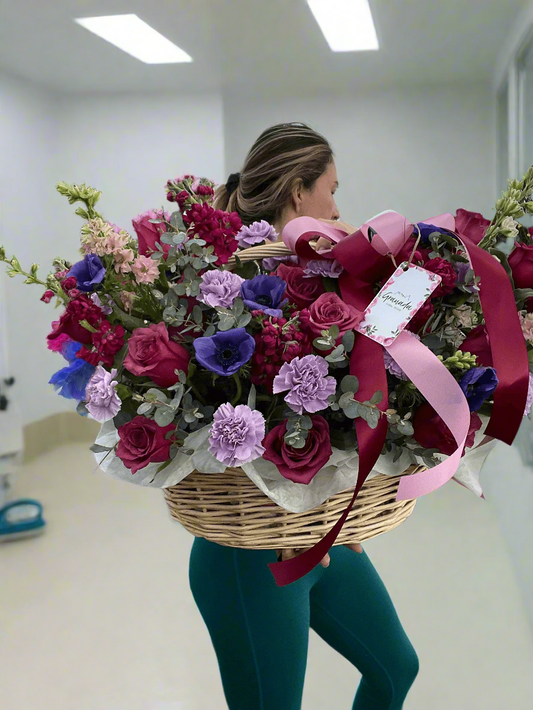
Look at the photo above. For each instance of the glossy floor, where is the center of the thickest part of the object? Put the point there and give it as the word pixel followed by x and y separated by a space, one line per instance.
pixel 96 614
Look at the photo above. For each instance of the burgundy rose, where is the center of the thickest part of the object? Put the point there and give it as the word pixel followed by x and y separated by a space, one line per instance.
pixel 471 225
pixel 81 308
pixel 152 354
pixel 142 441
pixel 432 433
pixel 521 263
pixel 329 310
pixel 148 233
pixel 477 343
pixel 301 289
pixel 421 318
pixel 445 270
pixel 299 465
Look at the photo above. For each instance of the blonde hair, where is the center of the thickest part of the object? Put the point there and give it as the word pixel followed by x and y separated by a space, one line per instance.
pixel 282 157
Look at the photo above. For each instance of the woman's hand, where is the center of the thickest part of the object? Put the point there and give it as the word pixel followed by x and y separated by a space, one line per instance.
pixel 289 554
pixel 323 243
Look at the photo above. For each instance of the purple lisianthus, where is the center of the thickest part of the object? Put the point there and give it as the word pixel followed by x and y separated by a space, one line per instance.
pixel 308 384
pixel 264 293
pixel 324 267
pixel 426 230
pixel 236 434
pixel 462 269
pixel 103 403
pixel 392 366
pixel 88 273
pixel 478 384
pixel 106 309
pixel 71 382
pixel 256 233
pixel 220 288
pixel 226 352
pixel 271 263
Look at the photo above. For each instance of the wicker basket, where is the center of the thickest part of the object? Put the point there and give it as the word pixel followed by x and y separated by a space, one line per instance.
pixel 229 509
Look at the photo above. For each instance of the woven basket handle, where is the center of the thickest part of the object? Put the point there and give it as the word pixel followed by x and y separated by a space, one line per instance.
pixel 260 252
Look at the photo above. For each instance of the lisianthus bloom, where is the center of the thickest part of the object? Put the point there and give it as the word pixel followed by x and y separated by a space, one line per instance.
pixel 103 403
pixel 264 293
pixel 225 352
pixel 256 233
pixel 427 229
pixel 143 441
pixel 145 269
pixel 299 465
pixel 478 384
pixel 271 263
pixel 432 433
pixel 236 434
pixel 89 273
pixel 278 341
pixel 105 344
pixel 445 270
pixel 477 343
pixel 152 354
pixel 216 227
pixel 329 310
pixel 303 290
pixel 105 306
pixel 77 310
pixel 308 384
pixel 220 288
pixel 71 382
pixel 471 225
pixel 323 267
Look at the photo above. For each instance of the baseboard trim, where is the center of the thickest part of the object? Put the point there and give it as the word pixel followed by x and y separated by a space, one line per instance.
pixel 56 430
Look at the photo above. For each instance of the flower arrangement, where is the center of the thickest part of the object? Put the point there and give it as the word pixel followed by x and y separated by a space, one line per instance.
pixel 192 358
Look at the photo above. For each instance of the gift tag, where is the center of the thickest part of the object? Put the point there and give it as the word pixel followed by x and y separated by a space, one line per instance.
pixel 399 300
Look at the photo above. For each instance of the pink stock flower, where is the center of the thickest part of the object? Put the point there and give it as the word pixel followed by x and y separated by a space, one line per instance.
pixel 145 270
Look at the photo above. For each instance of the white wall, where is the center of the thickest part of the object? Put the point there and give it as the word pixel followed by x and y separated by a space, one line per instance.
pixel 418 151
pixel 127 146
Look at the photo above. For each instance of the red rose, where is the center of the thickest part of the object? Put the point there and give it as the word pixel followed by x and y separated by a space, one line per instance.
pixel 142 441
pixel 299 465
pixel 445 270
pixel 81 308
pixel 329 310
pixel 521 263
pixel 421 317
pixel 477 343
pixel 432 433
pixel 148 233
pixel 152 354
pixel 301 289
pixel 471 225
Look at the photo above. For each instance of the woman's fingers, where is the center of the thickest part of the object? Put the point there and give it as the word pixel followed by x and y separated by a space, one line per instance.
pixel 289 554
pixel 355 546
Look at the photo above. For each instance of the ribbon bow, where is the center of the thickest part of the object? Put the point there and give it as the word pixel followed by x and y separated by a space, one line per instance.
pixel 365 257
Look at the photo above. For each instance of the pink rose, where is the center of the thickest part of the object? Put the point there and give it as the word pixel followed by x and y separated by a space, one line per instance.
pixel 301 289
pixel 471 225
pixel 521 263
pixel 477 343
pixel 299 465
pixel 152 354
pixel 432 433
pixel 329 310
pixel 148 233
pixel 142 441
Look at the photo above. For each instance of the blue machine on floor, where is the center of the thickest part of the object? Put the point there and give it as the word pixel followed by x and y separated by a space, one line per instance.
pixel 20 519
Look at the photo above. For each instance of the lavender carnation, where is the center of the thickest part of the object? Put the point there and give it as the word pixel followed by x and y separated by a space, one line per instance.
pixel 392 366
pixel 220 288
pixel 236 434
pixel 256 233
pixel 308 385
pixel 529 402
pixel 324 267
pixel 103 403
pixel 271 263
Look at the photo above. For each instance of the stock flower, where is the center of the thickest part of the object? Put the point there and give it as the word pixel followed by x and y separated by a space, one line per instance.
pixel 124 259
pixel 477 343
pixel 102 401
pixel 471 225
pixel 77 310
pixel 225 352
pixel 216 227
pixel 432 433
pixel 143 441
pixel 521 263
pixel 478 384
pixel 445 270
pixel 236 434
pixel 105 344
pixel 302 290
pixel 279 341
pixel 299 465
pixel 152 354
pixel 47 296
pixel 220 288
pixel 145 269
pixel 88 273
pixel 127 298
pixel 329 310
pixel 264 293
pixel 308 384
pixel 256 233
pixel 323 267
pixel 149 233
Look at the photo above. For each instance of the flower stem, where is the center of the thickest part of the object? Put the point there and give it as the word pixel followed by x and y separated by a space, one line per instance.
pixel 237 397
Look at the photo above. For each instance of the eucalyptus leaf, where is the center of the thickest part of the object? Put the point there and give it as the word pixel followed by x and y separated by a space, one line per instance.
pixel 164 416
pixel 97 449
pixel 252 396
pixel 349 383
pixel 377 397
pixel 348 340
pixel 176 220
pixel 144 408
pixel 243 320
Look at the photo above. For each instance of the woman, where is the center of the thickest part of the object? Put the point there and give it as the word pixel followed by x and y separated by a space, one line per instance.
pixel 260 631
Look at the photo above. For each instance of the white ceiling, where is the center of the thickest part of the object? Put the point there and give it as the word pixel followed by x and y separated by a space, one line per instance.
pixel 254 45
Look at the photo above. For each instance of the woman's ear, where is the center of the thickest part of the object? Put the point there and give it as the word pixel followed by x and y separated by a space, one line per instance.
pixel 297 195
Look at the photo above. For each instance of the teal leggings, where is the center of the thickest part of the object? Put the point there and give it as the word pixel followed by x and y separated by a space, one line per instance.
pixel 260 632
